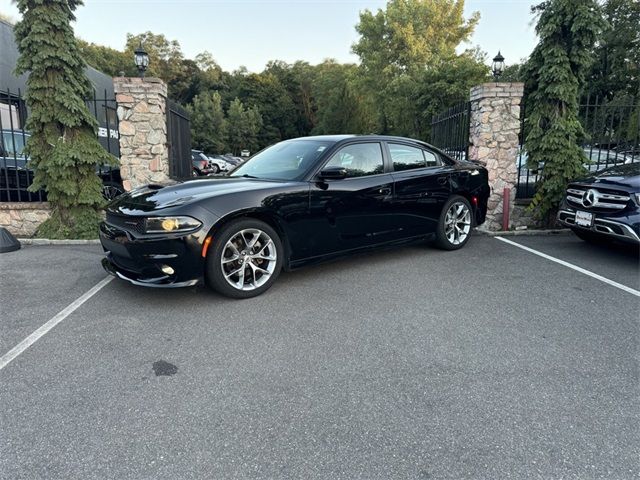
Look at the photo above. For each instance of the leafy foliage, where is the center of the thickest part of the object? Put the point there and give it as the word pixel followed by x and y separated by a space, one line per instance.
pixel 409 71
pixel 208 122
pixel 568 31
pixel 397 45
pixel 63 147
pixel 615 73
pixel 243 127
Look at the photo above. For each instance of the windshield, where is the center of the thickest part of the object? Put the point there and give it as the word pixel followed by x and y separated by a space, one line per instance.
pixel 283 161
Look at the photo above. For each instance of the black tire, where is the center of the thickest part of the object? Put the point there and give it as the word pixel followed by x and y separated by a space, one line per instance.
pixel 195 173
pixel 111 190
pixel 214 270
pixel 215 169
pixel 590 237
pixel 442 239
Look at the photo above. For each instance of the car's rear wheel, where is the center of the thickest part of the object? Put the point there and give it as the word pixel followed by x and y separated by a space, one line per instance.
pixel 245 258
pixel 194 173
pixel 454 226
pixel 215 168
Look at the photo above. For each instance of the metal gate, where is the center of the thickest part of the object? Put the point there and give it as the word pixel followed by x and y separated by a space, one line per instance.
pixel 179 141
pixel 450 131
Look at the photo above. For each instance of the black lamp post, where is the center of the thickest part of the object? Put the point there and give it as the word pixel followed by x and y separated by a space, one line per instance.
pixel 497 67
pixel 142 59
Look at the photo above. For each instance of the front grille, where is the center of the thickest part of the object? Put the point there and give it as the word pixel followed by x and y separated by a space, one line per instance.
pixel 597 198
pixel 126 222
pixel 600 225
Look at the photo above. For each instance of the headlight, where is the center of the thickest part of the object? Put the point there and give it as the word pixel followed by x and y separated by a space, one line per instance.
pixel 170 224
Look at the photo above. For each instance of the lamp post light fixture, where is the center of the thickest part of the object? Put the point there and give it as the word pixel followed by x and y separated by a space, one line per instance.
pixel 142 59
pixel 497 67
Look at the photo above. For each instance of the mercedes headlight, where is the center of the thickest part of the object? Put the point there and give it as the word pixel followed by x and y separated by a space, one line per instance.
pixel 171 224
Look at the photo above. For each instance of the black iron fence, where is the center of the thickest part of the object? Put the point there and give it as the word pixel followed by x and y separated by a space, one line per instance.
pixel 612 128
pixel 16 175
pixel 179 141
pixel 612 138
pixel 450 131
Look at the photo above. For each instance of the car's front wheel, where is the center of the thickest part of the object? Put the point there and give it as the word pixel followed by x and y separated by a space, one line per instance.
pixel 455 223
pixel 245 258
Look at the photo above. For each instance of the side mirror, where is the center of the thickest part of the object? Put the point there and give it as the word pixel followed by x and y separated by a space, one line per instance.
pixel 333 173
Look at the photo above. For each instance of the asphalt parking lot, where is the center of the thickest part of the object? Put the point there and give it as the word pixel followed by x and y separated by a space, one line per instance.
pixel 489 362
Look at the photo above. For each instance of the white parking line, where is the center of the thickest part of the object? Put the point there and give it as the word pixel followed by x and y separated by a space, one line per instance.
pixel 573 267
pixel 35 336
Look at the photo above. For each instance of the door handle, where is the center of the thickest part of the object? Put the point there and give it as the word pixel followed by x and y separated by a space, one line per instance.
pixel 385 191
pixel 442 180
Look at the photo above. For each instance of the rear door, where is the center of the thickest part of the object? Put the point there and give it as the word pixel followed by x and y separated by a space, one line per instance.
pixel 355 211
pixel 422 185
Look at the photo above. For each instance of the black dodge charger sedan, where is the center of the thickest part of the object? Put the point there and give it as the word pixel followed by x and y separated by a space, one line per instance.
pixel 605 206
pixel 295 203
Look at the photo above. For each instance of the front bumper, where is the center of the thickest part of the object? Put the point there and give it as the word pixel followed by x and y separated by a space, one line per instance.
pixel 141 260
pixel 620 226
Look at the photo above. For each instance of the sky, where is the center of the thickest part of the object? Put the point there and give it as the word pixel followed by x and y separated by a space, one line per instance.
pixel 251 32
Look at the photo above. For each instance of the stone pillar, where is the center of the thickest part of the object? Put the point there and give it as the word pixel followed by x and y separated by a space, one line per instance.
pixel 494 141
pixel 142 127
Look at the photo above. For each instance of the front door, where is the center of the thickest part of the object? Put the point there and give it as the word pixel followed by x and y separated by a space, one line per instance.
pixel 355 211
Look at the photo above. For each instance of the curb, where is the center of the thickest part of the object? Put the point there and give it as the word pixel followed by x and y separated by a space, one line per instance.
pixel 46 241
pixel 524 233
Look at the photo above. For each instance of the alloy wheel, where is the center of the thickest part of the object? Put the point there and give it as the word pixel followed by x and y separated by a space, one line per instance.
pixel 457 223
pixel 248 259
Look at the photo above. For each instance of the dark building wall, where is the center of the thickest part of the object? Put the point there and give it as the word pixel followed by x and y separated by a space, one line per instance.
pixel 9 55
pixel 8 58
pixel 102 106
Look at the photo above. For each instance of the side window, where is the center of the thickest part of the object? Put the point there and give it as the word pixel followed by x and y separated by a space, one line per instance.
pixel 432 159
pixel 405 157
pixel 359 159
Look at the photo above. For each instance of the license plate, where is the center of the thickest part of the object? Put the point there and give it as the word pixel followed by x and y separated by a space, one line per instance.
pixel 584 219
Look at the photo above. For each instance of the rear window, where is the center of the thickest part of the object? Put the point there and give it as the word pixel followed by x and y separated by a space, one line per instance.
pixel 405 157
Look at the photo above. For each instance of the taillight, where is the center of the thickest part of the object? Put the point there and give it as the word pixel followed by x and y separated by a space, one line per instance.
pixel 474 200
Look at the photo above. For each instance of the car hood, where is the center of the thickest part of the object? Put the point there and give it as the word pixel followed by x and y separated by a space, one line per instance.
pixel 155 197
pixel 626 175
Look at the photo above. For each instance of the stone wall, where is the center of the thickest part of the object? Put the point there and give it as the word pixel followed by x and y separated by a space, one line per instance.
pixel 521 216
pixel 494 141
pixel 23 218
pixel 144 156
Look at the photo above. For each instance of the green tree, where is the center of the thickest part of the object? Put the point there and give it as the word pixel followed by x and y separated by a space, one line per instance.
pixel 568 30
pixel 513 73
pixel 297 80
pixel 445 85
pixel 398 44
pixel 243 126
pixel 108 60
pixel 63 147
pixel 167 62
pixel 616 69
pixel 341 105
pixel 265 92
pixel 208 125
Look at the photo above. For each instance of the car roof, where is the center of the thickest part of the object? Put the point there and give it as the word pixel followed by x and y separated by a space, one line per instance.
pixel 344 137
